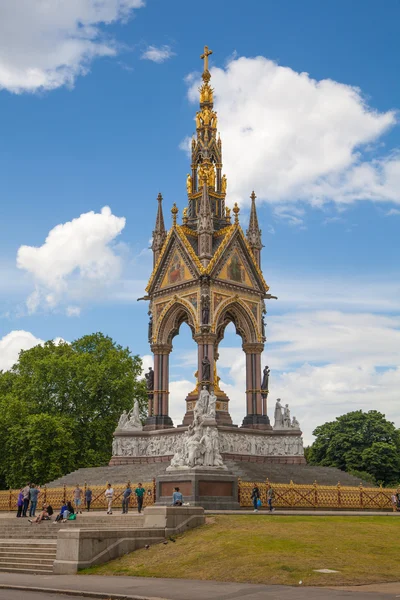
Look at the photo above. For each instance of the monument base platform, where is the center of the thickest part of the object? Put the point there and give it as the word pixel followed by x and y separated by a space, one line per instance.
pixel 211 489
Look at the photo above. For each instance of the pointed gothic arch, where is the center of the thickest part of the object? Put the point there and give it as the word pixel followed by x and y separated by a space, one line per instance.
pixel 177 311
pixel 235 311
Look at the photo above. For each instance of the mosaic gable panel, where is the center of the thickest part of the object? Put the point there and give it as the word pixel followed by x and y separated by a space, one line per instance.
pixel 236 270
pixel 176 272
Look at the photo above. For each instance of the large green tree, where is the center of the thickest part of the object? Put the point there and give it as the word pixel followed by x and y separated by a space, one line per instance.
pixel 60 404
pixel 359 441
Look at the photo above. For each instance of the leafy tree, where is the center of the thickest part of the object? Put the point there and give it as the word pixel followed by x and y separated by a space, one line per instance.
pixel 359 441
pixel 60 404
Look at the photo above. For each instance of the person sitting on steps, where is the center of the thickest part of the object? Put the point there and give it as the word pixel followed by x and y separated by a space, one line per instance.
pixel 177 498
pixel 45 515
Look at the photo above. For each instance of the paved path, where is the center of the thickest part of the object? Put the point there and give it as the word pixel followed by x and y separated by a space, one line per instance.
pixel 321 513
pixel 27 595
pixel 185 589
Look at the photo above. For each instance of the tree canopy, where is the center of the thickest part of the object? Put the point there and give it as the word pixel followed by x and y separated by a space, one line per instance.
pixel 60 404
pixel 359 442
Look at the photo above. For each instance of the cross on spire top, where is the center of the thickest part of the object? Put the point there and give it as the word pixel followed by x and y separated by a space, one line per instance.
pixel 205 56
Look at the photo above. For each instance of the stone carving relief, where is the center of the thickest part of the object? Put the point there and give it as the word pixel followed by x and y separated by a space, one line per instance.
pixel 237 443
pixel 229 443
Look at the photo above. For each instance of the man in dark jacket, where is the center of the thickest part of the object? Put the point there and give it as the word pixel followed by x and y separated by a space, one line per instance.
pixel 255 496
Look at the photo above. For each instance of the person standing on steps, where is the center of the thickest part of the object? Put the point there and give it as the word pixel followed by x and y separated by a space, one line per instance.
pixel 255 496
pixel 78 492
pixel 109 493
pixel 125 498
pixel 26 492
pixel 139 493
pixel 270 498
pixel 33 497
pixel 20 503
pixel 88 498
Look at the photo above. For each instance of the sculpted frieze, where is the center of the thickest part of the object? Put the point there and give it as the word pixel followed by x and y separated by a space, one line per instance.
pixel 230 443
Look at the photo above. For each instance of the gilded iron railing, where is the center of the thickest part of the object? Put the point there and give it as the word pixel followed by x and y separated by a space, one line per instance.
pixel 59 495
pixel 293 495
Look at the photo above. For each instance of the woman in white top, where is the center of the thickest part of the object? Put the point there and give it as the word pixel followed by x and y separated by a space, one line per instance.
pixel 109 493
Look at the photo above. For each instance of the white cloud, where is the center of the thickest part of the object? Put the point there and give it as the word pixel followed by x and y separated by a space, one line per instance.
pixel 157 54
pixel 292 138
pixel 76 259
pixel 73 311
pixel 334 292
pixel 12 344
pixel 16 341
pixel 47 44
pixel 323 363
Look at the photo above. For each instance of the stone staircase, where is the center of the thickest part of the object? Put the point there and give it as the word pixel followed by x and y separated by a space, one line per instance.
pixel 27 556
pixel 31 548
pixel 248 471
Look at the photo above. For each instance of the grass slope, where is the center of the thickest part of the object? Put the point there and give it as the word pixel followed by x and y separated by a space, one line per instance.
pixel 273 549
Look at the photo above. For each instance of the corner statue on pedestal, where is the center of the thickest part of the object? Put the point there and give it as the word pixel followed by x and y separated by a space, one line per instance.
pixel 131 420
pixel 282 417
pixel 200 446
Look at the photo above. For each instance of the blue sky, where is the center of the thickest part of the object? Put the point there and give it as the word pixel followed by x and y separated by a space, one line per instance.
pixel 87 121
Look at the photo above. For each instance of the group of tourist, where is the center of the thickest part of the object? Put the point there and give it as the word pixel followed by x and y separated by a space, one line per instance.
pixel 256 497
pixel 126 496
pixel 27 498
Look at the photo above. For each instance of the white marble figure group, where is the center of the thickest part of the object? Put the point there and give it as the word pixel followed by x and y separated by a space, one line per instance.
pixel 200 443
pixel 282 417
pixel 131 420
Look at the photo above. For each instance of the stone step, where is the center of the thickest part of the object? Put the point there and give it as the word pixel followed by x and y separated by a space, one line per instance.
pixel 30 570
pixel 248 471
pixel 24 554
pixel 22 544
pixel 32 560
pixel 32 535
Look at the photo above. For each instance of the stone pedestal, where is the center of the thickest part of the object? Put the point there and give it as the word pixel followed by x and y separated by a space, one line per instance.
pixel 256 422
pixel 210 488
pixel 222 407
pixel 157 422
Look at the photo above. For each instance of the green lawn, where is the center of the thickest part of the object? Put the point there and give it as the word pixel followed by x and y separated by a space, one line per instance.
pixel 273 549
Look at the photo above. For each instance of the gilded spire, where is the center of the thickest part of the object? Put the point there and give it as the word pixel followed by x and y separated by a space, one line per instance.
pixel 159 233
pixel 253 233
pixel 206 167
pixel 205 226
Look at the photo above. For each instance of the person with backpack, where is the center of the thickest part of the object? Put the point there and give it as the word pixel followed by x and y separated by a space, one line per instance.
pixel 255 496
pixel 270 498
